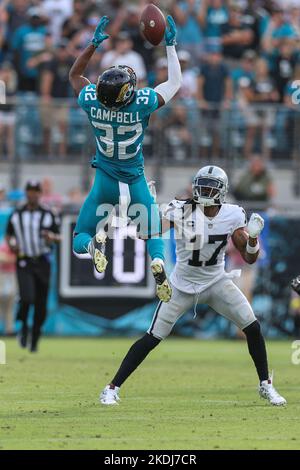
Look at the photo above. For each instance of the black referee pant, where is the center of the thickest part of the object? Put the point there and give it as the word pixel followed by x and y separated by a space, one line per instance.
pixel 33 278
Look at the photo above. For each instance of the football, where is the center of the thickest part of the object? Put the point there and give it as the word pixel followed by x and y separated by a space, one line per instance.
pixel 153 24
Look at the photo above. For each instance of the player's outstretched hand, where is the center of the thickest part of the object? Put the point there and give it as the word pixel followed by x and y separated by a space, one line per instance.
pixel 171 32
pixel 99 34
pixel 255 225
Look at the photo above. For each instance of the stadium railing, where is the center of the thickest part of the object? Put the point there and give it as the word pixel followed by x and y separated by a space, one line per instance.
pixel 181 133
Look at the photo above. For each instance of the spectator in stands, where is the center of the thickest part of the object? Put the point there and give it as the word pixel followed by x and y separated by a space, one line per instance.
pixel 279 28
pixel 214 93
pixel 7 287
pixel 295 18
pixel 85 34
pixel 178 135
pixel 260 92
pixel 159 75
pixel 283 64
pixel 75 198
pixel 3 31
pixel 8 84
pixel 116 11
pixel 3 200
pixel 190 36
pixel 292 91
pixel 17 14
pixel 76 21
pixel 40 58
pixel 190 74
pixel 254 17
pixel 129 21
pixel 93 69
pixel 27 41
pixel 122 53
pixel 236 35
pixel 57 11
pixel 55 84
pixel 213 15
pixel 49 197
pixel 243 74
pixel 255 184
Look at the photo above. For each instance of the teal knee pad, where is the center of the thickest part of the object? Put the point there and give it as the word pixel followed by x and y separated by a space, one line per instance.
pixel 81 243
pixel 155 247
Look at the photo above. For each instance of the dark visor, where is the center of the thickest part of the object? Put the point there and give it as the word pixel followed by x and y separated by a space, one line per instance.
pixel 208 182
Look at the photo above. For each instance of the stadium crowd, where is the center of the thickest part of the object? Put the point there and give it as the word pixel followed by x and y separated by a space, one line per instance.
pixel 239 60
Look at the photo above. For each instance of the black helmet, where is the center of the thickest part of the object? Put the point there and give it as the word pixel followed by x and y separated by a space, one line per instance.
pixel 116 86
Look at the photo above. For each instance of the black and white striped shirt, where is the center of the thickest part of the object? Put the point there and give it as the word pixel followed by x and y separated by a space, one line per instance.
pixel 27 227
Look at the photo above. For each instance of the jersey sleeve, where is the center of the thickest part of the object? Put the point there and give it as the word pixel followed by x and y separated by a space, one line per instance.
pixel 87 96
pixel 148 99
pixel 240 220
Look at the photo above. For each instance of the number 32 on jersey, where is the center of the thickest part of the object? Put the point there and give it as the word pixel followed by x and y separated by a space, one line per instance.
pixel 111 142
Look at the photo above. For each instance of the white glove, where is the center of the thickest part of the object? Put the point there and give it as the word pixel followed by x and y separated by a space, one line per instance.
pixel 255 225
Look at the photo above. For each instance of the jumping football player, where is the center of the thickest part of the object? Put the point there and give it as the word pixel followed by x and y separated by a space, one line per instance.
pixel 199 276
pixel 119 114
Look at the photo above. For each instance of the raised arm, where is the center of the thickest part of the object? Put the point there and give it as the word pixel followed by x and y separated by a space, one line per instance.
pixel 168 89
pixel 77 80
pixel 247 242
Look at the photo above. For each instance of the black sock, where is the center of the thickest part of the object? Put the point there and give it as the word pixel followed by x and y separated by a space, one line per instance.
pixel 136 354
pixel 297 325
pixel 257 349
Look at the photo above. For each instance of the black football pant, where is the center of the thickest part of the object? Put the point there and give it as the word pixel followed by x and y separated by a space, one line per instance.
pixel 33 278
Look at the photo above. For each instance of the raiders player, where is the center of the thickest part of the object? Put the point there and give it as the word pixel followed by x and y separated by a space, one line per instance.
pixel 199 275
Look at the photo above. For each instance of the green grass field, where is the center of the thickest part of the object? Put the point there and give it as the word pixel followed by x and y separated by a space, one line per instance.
pixel 189 394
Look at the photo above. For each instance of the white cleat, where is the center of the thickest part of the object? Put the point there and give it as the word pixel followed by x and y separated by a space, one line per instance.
pixel 109 396
pixel 163 288
pixel 267 391
pixel 97 252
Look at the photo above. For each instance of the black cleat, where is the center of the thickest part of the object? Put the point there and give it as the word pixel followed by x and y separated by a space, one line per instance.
pixel 22 337
pixel 34 342
pixel 33 348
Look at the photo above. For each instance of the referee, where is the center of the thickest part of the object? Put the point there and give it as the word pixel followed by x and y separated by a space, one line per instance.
pixel 31 232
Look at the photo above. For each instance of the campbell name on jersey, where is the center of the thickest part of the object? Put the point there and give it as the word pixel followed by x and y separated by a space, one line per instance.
pixel 119 134
pixel 201 243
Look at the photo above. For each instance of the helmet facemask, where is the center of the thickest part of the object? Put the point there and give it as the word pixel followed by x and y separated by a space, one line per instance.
pixel 209 191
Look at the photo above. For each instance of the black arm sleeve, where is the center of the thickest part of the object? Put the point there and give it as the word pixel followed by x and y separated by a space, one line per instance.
pixel 10 231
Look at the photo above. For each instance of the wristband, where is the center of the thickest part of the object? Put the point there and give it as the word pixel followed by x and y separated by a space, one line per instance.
pixel 252 250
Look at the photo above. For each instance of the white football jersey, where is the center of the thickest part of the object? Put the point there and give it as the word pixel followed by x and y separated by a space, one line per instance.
pixel 201 243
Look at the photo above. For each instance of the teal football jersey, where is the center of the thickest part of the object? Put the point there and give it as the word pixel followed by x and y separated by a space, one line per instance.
pixel 119 133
